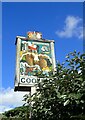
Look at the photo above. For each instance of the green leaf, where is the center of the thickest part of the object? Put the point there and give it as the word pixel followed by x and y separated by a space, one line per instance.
pixel 66 102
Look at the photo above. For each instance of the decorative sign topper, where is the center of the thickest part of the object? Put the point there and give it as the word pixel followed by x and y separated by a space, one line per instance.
pixel 34 35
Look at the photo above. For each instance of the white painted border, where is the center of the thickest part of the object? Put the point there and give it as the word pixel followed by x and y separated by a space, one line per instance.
pixel 17 81
pixel 53 56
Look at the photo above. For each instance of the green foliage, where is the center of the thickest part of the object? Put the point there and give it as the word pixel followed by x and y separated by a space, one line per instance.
pixel 19 113
pixel 61 96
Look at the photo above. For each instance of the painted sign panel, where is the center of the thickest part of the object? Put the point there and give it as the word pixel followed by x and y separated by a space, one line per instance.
pixel 35 58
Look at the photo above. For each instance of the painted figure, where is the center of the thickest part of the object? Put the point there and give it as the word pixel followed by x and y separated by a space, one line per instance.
pixel 36 58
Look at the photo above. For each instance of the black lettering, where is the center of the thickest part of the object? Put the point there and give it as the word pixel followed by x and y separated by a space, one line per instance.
pixel 28 80
pixel 33 80
pixel 23 80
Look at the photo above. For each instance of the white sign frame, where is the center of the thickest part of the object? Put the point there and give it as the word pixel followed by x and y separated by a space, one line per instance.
pixel 20 82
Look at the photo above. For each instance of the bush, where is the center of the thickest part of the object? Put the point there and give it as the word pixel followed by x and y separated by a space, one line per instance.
pixel 61 96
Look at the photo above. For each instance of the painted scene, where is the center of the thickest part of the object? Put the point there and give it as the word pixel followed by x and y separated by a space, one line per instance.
pixel 35 58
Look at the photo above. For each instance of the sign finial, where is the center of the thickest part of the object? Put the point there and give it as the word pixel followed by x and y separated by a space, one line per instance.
pixel 35 35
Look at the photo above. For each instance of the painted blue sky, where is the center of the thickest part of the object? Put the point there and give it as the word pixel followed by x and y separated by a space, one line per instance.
pixel 61 22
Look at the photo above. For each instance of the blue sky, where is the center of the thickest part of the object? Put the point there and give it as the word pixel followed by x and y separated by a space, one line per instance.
pixel 61 22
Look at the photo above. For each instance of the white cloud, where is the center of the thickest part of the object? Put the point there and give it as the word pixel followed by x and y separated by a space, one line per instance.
pixel 4 108
pixel 73 28
pixel 10 99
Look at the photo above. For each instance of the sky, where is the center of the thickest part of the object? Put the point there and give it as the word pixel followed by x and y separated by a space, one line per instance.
pixel 58 21
pixel 43 0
